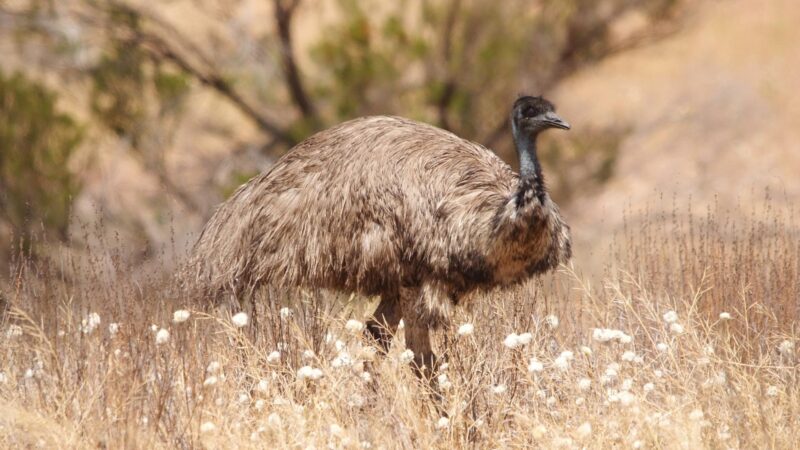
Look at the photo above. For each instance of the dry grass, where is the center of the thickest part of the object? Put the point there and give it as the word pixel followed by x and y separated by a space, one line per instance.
pixel 707 382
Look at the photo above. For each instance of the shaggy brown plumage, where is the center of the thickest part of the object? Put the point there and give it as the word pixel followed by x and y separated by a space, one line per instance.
pixel 391 207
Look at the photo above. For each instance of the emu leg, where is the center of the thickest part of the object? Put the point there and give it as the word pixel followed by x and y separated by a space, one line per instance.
pixel 383 324
pixel 417 329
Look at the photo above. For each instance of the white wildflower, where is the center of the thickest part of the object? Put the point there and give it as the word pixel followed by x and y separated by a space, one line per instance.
pixel 113 328
pixel 154 328
pixel 286 313
pixel 465 329
pixel 240 320
pixel 343 359
pixel 407 356
pixel 772 391
pixel 366 444
pixel 535 365
pixel 585 430
pixel 525 338
pixel 90 323
pixel 697 414
pixel 670 316
pixel 274 356
pixel 309 373
pixel 538 431
pixel 627 384
pixel 607 335
pixel 180 316
pixel 308 354
pixel 658 373
pixel 207 427
pixel 580 401
pixel 244 398
pixel 637 444
pixel 512 341
pixel 551 401
pixel 263 385
pixel 649 387
pixel 354 326
pixel 662 347
pixel 366 376
pixel 274 420
pixel 162 337
pixel 786 347
pixel 443 423
pixel 29 373
pixel 14 331
pixel 499 389
pixel 725 316
pixel 626 398
pixel 260 404
pixel 587 351
pixel 336 430
pixel 213 367
pixel 584 384
pixel 629 356
pixel 676 328
pixel 551 321
pixel 562 361
pixel 210 381
pixel 444 382
pixel 339 345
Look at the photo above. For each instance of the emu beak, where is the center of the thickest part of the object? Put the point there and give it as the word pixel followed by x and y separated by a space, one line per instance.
pixel 554 121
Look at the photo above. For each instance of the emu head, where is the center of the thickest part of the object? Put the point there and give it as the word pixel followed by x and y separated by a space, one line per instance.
pixel 531 115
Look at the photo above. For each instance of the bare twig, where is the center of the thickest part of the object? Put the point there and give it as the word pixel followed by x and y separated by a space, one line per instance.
pixel 284 12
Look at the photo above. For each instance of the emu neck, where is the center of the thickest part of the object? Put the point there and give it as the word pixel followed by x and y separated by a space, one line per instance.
pixel 530 172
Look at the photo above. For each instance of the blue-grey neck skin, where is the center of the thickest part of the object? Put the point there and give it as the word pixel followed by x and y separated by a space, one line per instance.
pixel 530 172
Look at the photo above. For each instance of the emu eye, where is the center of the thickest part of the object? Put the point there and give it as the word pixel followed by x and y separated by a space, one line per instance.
pixel 528 111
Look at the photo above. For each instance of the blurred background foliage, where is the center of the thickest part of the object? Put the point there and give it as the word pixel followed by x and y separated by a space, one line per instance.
pixel 160 82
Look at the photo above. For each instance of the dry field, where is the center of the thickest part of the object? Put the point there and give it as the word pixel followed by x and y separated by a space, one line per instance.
pixel 687 339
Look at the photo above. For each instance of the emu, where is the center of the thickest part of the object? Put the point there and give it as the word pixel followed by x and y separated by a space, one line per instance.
pixel 385 206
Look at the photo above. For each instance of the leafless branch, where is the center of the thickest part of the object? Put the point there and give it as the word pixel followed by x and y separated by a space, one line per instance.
pixel 284 12
pixel 449 84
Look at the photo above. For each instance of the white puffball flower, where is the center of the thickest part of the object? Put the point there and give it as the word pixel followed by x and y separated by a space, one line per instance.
pixel 676 328
pixel 626 398
pixel 562 361
pixel 343 359
pixel 14 331
pixel 162 337
pixel 366 376
pixel 213 367
pixel 551 321
pixel 662 347
pixel 354 326
pixel 585 430
pixel 535 365
pixel 180 316
pixel 512 341
pixel 207 427
pixel 649 387
pixel 286 313
pixel 629 356
pixel 444 382
pixel 309 373
pixel 499 389
pixel 697 414
pixel 670 316
pixel 210 381
pixel 584 384
pixel 772 391
pixel 274 420
pixel 525 338
pixel 608 335
pixel 113 328
pixel 725 316
pixel 89 323
pixel 240 320
pixel 587 351
pixel 407 356
pixel 465 329
pixel 274 356
pixel 153 328
pixel 443 423
pixel 260 404
pixel 263 385
pixel 627 384
pixel 308 354
pixel 786 347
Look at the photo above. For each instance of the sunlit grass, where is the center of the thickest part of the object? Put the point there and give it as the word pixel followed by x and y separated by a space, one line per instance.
pixel 669 350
